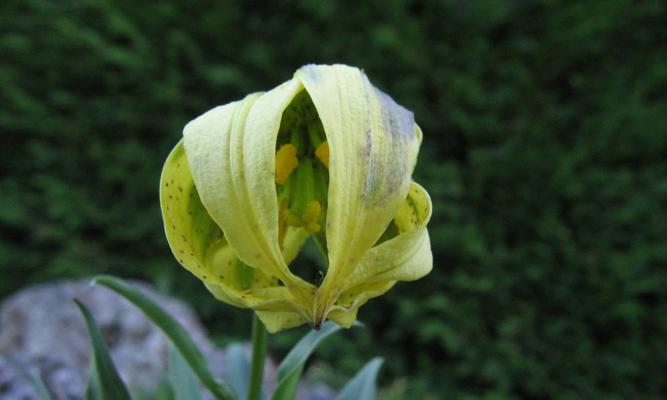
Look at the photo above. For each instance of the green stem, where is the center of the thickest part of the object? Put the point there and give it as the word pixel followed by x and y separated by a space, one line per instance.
pixel 258 356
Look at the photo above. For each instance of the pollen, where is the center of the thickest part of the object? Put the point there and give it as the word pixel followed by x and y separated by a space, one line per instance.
pixel 322 153
pixel 313 211
pixel 313 227
pixel 291 219
pixel 286 162
pixel 310 217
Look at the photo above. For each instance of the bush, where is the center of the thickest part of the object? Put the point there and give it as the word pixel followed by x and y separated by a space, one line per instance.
pixel 544 154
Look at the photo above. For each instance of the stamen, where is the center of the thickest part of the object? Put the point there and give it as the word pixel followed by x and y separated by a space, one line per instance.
pixel 313 211
pixel 313 227
pixel 310 217
pixel 308 220
pixel 286 162
pixel 291 219
pixel 322 153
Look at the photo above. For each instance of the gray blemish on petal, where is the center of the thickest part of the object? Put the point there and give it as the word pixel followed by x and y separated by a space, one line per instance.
pixel 370 183
pixel 369 143
pixel 397 120
pixel 389 167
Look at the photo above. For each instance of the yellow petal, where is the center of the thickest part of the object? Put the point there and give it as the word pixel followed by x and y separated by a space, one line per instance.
pixel 199 244
pixel 373 144
pixel 190 232
pixel 345 314
pixel 405 257
pixel 231 151
pixel 195 239
pixel 275 321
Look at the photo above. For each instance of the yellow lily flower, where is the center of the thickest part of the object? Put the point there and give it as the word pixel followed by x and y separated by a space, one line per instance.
pixel 325 155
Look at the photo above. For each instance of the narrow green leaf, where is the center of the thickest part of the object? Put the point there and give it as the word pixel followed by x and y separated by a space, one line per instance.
pixel 182 379
pixel 286 390
pixel 91 393
pixel 362 386
pixel 40 387
pixel 238 369
pixel 291 367
pixel 178 335
pixel 105 383
pixel 35 380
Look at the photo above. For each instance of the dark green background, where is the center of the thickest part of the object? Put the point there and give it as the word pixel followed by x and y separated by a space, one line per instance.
pixel 545 136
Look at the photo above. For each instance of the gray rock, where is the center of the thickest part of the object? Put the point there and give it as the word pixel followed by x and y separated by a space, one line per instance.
pixel 43 333
pixel 42 330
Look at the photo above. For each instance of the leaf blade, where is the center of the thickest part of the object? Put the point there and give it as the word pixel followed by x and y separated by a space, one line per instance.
pixel 35 380
pixel 238 369
pixel 174 330
pixel 291 367
pixel 181 377
pixel 362 385
pixel 105 383
pixel 40 388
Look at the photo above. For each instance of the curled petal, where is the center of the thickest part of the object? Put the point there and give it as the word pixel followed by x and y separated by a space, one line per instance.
pixel 405 257
pixel 231 150
pixel 373 144
pixel 201 247
pixel 275 321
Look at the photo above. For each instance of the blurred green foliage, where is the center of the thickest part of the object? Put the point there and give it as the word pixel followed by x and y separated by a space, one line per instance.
pixel 545 140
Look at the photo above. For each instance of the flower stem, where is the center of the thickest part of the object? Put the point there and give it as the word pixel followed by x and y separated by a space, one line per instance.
pixel 258 356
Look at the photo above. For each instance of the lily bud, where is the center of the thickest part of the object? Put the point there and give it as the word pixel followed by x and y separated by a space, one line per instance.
pixel 324 155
